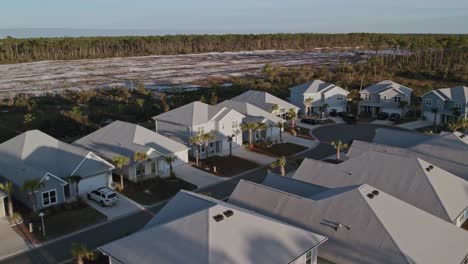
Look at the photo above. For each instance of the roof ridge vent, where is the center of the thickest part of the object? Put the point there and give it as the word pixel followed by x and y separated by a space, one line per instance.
pixel 370 195
pixel 228 213
pixel 218 217
pixel 462 136
pixel 375 192
pixel 339 226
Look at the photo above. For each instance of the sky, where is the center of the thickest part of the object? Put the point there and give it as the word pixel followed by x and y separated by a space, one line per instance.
pixel 235 16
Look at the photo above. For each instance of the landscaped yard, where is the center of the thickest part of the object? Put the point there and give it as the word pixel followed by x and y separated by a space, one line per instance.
pixel 58 220
pixel 155 190
pixel 227 166
pixel 281 149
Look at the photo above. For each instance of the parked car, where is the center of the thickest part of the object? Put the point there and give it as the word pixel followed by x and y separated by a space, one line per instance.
pixel 394 117
pixel 104 196
pixel 333 113
pixel 382 115
pixel 341 114
pixel 349 118
pixel 309 121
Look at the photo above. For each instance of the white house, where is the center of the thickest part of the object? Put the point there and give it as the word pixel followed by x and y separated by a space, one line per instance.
pixel 385 96
pixel 197 117
pixel 126 139
pixel 267 102
pixel 193 228
pixel 255 114
pixel 312 96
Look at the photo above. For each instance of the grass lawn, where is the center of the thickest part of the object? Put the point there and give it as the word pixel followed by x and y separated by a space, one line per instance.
pixel 59 220
pixel 230 166
pixel 155 190
pixel 282 149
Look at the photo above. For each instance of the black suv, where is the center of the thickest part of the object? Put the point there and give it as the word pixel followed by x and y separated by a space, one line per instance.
pixel 333 112
pixel 394 117
pixel 382 116
pixel 349 118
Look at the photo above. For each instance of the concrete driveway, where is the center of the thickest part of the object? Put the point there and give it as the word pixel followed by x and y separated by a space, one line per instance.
pixel 415 124
pixel 308 143
pixel 258 158
pixel 10 242
pixel 124 207
pixel 196 176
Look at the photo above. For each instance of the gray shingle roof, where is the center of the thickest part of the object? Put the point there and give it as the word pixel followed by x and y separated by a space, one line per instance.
pixel 446 150
pixel 251 111
pixel 125 139
pixel 382 229
pixel 387 85
pixel 185 232
pixel 263 100
pixel 456 94
pixel 33 154
pixel 436 191
pixel 316 86
pixel 300 188
pixel 195 113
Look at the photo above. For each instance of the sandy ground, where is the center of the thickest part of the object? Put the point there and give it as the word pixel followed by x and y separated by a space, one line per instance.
pixel 173 70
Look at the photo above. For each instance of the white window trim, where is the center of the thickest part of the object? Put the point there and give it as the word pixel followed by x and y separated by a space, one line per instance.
pixel 458 106
pixel 144 169
pixel 397 99
pixel 428 102
pixel 50 203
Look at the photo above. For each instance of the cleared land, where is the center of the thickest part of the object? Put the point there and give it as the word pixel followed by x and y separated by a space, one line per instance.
pixel 38 78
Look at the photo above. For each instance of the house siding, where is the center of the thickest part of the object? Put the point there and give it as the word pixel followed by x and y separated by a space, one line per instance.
pixel 445 112
pixel 319 99
pixel 50 184
pixel 302 259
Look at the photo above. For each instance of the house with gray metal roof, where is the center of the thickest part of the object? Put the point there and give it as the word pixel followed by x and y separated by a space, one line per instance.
pixel 191 119
pixel 445 105
pixel 448 151
pixel 255 114
pixel 319 93
pixel 193 228
pixel 406 177
pixel 36 155
pixel 385 97
pixel 267 102
pixel 363 224
pixel 126 139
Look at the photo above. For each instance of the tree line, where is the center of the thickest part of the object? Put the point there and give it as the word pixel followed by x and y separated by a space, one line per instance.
pixel 14 50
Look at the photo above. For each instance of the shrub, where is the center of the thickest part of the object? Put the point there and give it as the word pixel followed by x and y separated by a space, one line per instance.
pixel 16 218
pixel 67 206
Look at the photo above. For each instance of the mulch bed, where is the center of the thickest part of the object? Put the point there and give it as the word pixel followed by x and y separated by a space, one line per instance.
pixel 281 149
pixel 226 166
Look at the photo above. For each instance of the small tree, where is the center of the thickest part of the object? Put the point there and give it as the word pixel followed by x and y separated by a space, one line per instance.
pixel 260 127
pixel 280 126
pixel 281 163
pixel 292 115
pixel 28 118
pixel 120 162
pixel 205 139
pixel 275 108
pixel 230 139
pixel 339 146
pixel 308 104
pixel 213 98
pixel 325 109
pixel 403 105
pixel 75 180
pixel 7 187
pixel 195 141
pixel 250 127
pixel 31 186
pixel 82 253
pixel 140 157
pixel 169 160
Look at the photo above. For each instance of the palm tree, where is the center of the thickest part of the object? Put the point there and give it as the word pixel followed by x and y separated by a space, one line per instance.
pixel 339 146
pixel 169 160
pixel 206 138
pixel 260 127
pixel 140 157
pixel 281 163
pixel 75 180
pixel 195 141
pixel 230 139
pixel 250 127
pixel 308 104
pixel 7 187
pixel 82 253
pixel 292 115
pixel 403 105
pixel 275 108
pixel 120 162
pixel 435 111
pixel 31 186
pixel 280 125
pixel 325 108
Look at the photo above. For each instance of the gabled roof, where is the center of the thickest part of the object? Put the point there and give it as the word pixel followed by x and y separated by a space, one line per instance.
pixel 316 86
pixel 251 111
pixel 33 154
pixel 456 94
pixel 406 177
pixel 447 150
pixel 263 100
pixel 125 139
pixel 381 230
pixel 193 114
pixel 186 232
pixel 388 85
pixel 293 186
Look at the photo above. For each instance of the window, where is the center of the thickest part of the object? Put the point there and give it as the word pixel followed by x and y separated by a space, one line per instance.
pixel 309 257
pixel 428 102
pixel 200 130
pixel 49 198
pixel 458 106
pixel 439 103
pixel 367 97
pixel 385 97
pixel 397 99
pixel 235 124
pixel 140 169
pixel 339 98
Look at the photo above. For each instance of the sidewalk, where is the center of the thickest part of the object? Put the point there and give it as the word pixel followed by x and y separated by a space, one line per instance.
pixel 415 124
pixel 258 158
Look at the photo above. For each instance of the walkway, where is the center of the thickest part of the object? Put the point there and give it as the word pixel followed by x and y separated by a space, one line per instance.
pixel 10 242
pixel 258 158
pixel 195 176
pixel 300 141
pixel 415 124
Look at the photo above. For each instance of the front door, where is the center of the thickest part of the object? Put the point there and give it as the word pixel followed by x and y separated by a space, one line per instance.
pixel 66 191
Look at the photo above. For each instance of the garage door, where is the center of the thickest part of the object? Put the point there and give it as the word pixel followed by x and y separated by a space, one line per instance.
pixel 92 183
